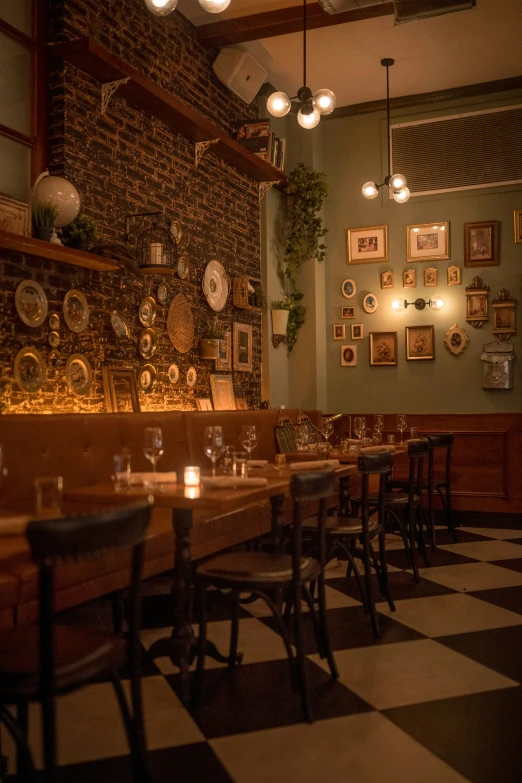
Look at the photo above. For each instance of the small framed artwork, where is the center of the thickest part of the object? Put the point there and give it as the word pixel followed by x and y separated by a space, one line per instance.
pixel 357 331
pixel 409 278
pixel 242 348
pixel 348 288
pixel 383 349
pixel 481 243
pixel 204 404
pixel 347 312
pixel 370 303
pixel 339 331
pixel 454 275
pixel 503 307
pixel 120 390
pixel 518 226
pixel 241 404
pixel 420 343
pixel 387 279
pixel 222 393
pixel 15 216
pixel 431 277
pixel 428 242
pixel 477 303
pixel 348 356
pixel 456 340
pixel 224 359
pixel 367 245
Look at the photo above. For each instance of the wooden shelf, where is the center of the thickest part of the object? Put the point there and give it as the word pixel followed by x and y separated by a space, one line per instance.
pixel 66 255
pixel 95 60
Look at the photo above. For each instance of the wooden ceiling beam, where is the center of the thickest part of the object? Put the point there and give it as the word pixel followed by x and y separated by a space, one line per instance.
pixel 281 22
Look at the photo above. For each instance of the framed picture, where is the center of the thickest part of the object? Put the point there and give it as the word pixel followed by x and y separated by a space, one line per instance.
pixel 367 245
pixel 456 340
pixel 15 216
pixel 357 331
pixel 431 277
pixel 348 288
pixel 120 390
pixel 339 331
pixel 409 278
pixel 518 226
pixel 477 303
pixel 420 343
pixel 503 307
pixel 383 349
pixel 242 348
pixel 454 275
pixel 241 404
pixel 370 303
pixel 204 404
pixel 224 359
pixel 428 242
pixel 481 243
pixel 222 393
pixel 347 312
pixel 348 356
pixel 387 279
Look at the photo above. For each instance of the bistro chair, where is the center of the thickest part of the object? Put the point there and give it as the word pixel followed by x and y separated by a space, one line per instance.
pixel 440 482
pixel 40 662
pixel 267 575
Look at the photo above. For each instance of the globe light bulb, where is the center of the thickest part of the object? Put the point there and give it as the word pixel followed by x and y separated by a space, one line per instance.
pixel 214 6
pixel 279 104
pixel 436 304
pixel 398 181
pixel 370 190
pixel 308 120
pixel 161 7
pixel 399 304
pixel 401 196
pixel 324 101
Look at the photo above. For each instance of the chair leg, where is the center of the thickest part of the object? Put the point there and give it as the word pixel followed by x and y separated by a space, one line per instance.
pixel 377 569
pixel 323 620
pixel 384 570
pixel 411 520
pixel 402 531
pixel 25 766
pixel 315 621
pixel 422 543
pixel 118 613
pixel 356 574
pixel 368 583
pixel 302 673
pixel 202 643
pixel 431 517
pixel 445 499
pixel 234 633
pixel 22 714
pixel 135 738
pixel 49 739
pixel 274 608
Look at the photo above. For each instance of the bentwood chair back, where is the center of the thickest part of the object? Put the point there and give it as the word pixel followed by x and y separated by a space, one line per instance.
pixel 440 483
pixel 37 663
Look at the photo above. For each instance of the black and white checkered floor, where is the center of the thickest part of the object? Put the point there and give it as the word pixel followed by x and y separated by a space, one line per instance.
pixel 437 699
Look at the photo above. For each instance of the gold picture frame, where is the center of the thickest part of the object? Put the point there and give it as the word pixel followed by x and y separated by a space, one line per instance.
pixel 224 359
pixel 420 343
pixel 241 404
pixel 339 331
pixel 477 303
pixel 387 279
pixel 367 245
pixel 503 307
pixel 348 356
pixel 409 278
pixel 481 244
pixel 120 390
pixel 383 349
pixel 348 312
pixel 222 389
pixel 456 340
pixel 431 277
pixel 517 217
pixel 454 274
pixel 15 216
pixel 204 404
pixel 242 347
pixel 428 242
pixel 357 331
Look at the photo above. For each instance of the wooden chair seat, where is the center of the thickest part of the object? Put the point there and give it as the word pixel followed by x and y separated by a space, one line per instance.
pixel 255 567
pixel 343 526
pixel 390 498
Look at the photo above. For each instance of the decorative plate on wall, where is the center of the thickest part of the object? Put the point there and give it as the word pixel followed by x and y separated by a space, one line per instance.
pixel 180 324
pixel 370 303
pixel 163 293
pixel 119 324
pixel 31 303
pixel 147 378
pixel 192 376
pixel 215 285
pixel 78 374
pixel 147 311
pixel 183 267
pixel 173 373
pixel 54 359
pixel 148 343
pixel 176 231
pixel 75 310
pixel 348 288
pixel 54 321
pixel 54 339
pixel 29 369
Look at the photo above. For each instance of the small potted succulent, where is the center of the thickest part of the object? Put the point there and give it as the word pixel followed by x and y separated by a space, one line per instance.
pixel 209 343
pixel 81 233
pixel 280 311
pixel 44 215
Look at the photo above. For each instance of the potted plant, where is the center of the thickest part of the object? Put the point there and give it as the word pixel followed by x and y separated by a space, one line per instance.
pixel 209 343
pixel 44 215
pixel 81 233
pixel 280 312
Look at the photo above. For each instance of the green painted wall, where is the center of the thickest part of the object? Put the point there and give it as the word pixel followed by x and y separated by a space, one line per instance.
pixel 354 152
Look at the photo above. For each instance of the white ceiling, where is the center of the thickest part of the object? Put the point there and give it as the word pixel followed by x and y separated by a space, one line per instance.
pixel 479 45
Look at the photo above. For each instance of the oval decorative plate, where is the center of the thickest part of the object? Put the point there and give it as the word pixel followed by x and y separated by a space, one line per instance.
pixel 180 324
pixel 78 374
pixel 163 292
pixel 215 285
pixel 176 231
pixel 147 311
pixel 31 303
pixel 54 321
pixel 370 303
pixel 119 324
pixel 147 378
pixel 348 288
pixel 173 373
pixel 29 369
pixel 148 343
pixel 75 310
pixel 54 339
pixel 192 376
pixel 183 267
pixel 54 359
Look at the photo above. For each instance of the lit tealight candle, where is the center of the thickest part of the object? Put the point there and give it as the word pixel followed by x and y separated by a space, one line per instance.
pixel 191 476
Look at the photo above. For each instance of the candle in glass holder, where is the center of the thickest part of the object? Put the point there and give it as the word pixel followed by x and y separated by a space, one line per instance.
pixel 191 476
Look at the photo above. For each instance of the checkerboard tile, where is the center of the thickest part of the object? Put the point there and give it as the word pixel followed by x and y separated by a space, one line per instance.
pixel 437 698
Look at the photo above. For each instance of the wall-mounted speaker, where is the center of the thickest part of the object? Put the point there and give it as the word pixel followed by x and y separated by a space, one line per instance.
pixel 238 71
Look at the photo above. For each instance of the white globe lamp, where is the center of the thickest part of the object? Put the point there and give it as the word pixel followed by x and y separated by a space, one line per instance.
pixel 161 7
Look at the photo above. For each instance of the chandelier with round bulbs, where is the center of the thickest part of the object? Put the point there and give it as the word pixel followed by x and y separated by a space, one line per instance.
pixel 308 105
pixel 397 183
pixel 166 7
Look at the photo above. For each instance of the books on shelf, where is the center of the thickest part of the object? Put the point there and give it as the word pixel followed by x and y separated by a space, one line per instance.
pixel 256 136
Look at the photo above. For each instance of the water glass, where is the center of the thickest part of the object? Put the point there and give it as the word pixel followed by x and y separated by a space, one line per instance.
pixel 280 460
pixel 401 423
pixel 391 440
pixel 414 433
pixel 213 445
pixel 249 438
pixel 345 446
pixel 376 438
pixel 240 468
pixel 312 440
pixel 49 495
pixel 153 447
pixel 378 422
pixel 122 470
pixel 228 459
pixel 323 450
pixel 300 437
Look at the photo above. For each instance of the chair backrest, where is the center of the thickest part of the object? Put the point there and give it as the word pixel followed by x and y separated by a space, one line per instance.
pixel 380 463
pixel 440 440
pixel 309 487
pixel 418 450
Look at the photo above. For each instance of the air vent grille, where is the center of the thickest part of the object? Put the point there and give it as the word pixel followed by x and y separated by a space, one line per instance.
pixel 463 151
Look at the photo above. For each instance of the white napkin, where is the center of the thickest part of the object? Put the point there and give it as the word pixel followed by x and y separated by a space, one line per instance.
pixel 315 464
pixel 15 525
pixel 258 463
pixel 167 477
pixel 232 482
pixel 377 449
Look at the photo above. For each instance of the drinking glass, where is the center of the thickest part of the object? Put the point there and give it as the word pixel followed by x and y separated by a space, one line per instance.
pixel 249 438
pixel 312 439
pixel 49 492
pixel 401 423
pixel 359 426
pixel 153 448
pixel 327 428
pixel 241 464
pixel 228 459
pixel 378 422
pixel 213 445
pixel 414 433
pixel 122 470
pixel 300 437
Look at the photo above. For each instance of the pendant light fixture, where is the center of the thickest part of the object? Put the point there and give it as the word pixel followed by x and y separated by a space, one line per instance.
pixel 166 7
pixel 309 106
pixel 396 182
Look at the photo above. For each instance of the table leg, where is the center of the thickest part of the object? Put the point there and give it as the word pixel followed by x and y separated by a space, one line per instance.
pixel 277 502
pixel 344 496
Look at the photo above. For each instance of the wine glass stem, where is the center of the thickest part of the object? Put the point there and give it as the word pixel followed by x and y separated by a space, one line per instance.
pixel 213 467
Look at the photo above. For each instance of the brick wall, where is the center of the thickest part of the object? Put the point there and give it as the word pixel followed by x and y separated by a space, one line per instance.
pixel 126 162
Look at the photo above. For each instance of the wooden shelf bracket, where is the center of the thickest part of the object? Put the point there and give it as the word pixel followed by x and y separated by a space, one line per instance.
pixel 200 147
pixel 107 91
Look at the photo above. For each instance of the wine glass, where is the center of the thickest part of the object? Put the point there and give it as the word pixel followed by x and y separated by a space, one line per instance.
pixel 300 437
pixel 401 423
pixel 249 439
pixel 327 429
pixel 312 439
pixel 378 422
pixel 153 448
pixel 213 445
pixel 360 426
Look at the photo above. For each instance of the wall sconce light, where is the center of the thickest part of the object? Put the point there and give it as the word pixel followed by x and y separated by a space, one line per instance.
pixel 419 304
